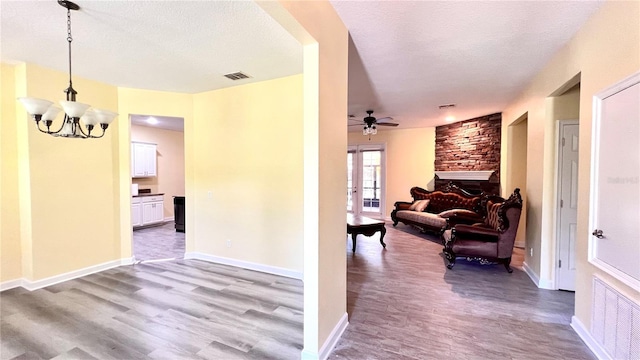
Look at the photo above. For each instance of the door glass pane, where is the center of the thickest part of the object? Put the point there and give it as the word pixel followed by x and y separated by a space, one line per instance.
pixel 350 181
pixel 371 181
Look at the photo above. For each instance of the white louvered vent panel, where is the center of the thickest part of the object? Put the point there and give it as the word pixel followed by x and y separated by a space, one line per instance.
pixel 615 322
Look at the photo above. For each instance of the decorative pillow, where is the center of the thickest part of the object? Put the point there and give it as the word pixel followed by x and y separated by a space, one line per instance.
pixel 457 212
pixel 419 205
pixel 493 220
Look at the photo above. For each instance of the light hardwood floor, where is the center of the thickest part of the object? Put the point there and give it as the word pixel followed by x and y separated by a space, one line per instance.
pixel 185 309
pixel 158 242
pixel 402 303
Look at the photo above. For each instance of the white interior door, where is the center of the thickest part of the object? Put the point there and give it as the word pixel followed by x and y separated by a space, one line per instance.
pixel 365 183
pixel 615 182
pixel 567 204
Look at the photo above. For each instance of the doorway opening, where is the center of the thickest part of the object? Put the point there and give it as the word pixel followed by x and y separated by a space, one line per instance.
pixel 158 185
pixel 517 161
pixel 566 112
pixel 366 180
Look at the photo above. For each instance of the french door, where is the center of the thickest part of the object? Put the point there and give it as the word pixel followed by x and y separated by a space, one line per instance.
pixel 365 181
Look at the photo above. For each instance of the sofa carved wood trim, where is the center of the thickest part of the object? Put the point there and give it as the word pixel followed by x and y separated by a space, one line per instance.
pixel 449 198
pixel 493 239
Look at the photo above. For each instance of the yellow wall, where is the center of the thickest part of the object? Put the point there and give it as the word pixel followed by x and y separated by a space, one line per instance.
pixel 318 28
pixel 10 245
pixel 67 187
pixel 248 165
pixel 170 162
pixel 149 102
pixel 410 156
pixel 604 51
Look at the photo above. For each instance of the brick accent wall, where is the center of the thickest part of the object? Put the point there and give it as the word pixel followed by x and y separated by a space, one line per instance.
pixel 469 145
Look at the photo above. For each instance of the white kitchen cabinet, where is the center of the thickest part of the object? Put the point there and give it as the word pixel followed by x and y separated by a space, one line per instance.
pixel 143 159
pixel 136 212
pixel 152 209
pixel 147 210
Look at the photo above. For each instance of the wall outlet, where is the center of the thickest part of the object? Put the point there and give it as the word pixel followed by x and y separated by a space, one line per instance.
pixel 228 243
pixel 530 251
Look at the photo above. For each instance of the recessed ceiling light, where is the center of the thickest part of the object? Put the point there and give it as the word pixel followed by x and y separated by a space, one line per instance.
pixel 450 118
pixel 151 120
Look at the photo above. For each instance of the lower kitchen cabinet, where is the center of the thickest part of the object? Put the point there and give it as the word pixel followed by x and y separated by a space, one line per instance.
pixel 136 212
pixel 147 210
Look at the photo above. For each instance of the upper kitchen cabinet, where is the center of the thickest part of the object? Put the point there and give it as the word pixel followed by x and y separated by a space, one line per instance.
pixel 143 160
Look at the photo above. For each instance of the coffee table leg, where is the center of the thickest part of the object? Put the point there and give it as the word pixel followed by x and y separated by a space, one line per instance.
pixel 383 231
pixel 353 236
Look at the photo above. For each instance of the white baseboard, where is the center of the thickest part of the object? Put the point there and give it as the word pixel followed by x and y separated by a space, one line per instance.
pixel 542 284
pixel 127 261
pixel 245 265
pixel 547 284
pixel 39 284
pixel 532 275
pixel 585 335
pixel 10 284
pixel 169 219
pixel 330 343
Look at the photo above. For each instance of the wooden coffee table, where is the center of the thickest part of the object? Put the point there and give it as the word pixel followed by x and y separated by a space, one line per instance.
pixel 357 224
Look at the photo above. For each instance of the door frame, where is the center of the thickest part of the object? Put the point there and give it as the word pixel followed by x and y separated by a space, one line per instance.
pixel 596 121
pixel 359 148
pixel 558 180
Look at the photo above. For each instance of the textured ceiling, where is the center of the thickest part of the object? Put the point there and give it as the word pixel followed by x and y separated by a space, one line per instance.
pixel 182 46
pixel 407 58
pixel 161 122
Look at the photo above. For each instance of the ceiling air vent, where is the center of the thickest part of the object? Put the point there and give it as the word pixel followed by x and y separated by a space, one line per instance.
pixel 237 76
pixel 446 106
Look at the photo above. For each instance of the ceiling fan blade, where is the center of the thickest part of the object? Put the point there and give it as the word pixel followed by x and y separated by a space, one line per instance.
pixel 355 125
pixel 386 124
pixel 358 120
pixel 384 119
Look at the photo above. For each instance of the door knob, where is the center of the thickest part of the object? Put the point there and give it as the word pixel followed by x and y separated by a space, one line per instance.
pixel 597 233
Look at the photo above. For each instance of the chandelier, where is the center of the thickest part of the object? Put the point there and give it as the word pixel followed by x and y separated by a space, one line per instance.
pixel 44 111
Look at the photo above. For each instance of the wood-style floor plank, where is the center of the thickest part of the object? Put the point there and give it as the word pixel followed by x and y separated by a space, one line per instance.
pixel 169 310
pixel 402 302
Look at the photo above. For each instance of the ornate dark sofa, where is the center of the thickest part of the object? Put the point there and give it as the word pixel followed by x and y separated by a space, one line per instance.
pixel 447 207
pixel 491 240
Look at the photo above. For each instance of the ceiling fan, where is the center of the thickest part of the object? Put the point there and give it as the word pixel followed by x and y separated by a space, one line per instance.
pixel 369 123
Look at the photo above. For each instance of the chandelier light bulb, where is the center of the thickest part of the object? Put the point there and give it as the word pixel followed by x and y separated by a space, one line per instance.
pixel 51 113
pixel 35 106
pixel 89 118
pixel 104 116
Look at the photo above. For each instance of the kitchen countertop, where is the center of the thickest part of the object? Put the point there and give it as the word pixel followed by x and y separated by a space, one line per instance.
pixel 148 194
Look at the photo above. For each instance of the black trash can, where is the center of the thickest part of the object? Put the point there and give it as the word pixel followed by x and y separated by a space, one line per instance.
pixel 178 212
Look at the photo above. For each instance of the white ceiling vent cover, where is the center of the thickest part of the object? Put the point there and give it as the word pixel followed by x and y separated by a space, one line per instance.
pixel 237 76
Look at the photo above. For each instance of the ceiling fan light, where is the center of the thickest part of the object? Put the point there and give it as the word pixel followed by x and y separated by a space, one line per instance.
pixel 105 116
pixel 35 106
pixel 74 109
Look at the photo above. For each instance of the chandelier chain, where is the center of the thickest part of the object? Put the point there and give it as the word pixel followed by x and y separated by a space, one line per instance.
pixel 69 40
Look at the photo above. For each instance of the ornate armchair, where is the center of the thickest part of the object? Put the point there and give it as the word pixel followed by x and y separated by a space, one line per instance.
pixel 491 240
